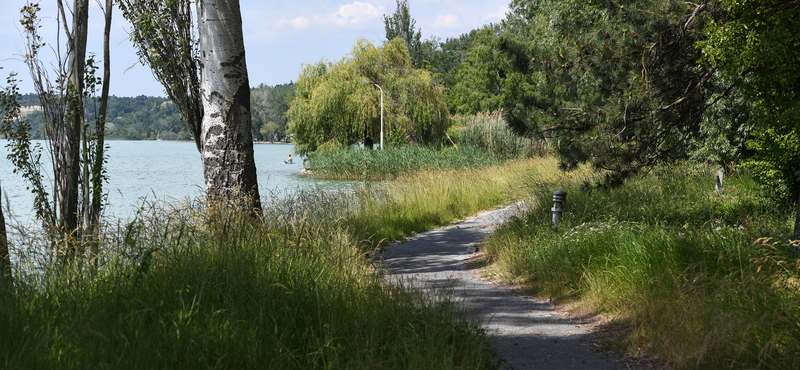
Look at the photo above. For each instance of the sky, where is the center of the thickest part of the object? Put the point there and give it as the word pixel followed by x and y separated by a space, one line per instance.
pixel 280 36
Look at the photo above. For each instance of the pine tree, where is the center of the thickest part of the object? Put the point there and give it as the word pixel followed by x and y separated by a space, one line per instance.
pixel 616 84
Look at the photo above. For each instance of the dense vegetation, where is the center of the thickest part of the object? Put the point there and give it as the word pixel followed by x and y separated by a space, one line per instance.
pixel 622 91
pixel 704 279
pixel 479 141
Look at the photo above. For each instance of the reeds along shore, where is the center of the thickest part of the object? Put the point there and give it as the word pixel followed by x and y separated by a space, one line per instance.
pixel 473 142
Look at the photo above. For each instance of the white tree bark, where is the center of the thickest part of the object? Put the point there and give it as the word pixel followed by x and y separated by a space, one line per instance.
pixel 227 154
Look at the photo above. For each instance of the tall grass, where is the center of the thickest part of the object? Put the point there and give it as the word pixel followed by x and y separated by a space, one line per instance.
pixel 704 279
pixel 185 286
pixel 394 162
pixel 432 198
pixel 488 131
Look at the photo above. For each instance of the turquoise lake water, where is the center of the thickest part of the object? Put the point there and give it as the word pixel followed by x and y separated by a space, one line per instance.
pixel 159 169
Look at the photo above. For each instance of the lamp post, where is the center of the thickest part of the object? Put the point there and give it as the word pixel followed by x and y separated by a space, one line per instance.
pixel 370 82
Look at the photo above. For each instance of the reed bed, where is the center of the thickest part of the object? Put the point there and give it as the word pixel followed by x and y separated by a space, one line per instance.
pixel 479 141
pixel 394 162
pixel 702 279
pixel 488 131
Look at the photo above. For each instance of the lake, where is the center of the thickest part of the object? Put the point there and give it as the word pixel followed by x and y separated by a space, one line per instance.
pixel 158 169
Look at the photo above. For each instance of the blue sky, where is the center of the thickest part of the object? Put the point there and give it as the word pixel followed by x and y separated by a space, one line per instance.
pixel 280 36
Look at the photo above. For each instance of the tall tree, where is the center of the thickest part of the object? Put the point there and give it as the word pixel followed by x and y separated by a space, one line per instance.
pixel 69 148
pixel 96 177
pixel 617 84
pixel 207 80
pixel 400 24
pixel 479 80
pixel 228 162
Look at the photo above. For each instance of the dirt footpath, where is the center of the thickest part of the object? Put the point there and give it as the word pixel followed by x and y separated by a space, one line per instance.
pixel 528 333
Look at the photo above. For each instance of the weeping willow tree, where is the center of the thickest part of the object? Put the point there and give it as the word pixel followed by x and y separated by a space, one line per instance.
pixel 338 104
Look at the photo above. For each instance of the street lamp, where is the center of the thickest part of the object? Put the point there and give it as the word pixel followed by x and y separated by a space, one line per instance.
pixel 370 82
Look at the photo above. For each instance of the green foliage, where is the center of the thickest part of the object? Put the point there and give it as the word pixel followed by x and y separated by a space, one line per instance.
pixel 334 106
pixel 269 105
pixel 776 162
pixel 683 266
pixel 617 84
pixel 754 44
pixel 25 155
pixel 444 58
pixel 166 40
pixel 758 39
pixel 478 82
pixel 401 24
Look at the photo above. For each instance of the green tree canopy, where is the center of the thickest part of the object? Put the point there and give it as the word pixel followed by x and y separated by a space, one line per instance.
pixel 335 107
pixel 479 80
pixel 401 24
pixel 755 44
pixel 617 83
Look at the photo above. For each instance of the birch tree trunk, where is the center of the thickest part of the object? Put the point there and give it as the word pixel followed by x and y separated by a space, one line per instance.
pixel 227 151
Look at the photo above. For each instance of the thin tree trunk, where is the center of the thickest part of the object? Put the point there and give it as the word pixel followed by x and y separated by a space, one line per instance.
pixel 97 166
pixel 72 153
pixel 796 237
pixel 227 153
pixel 6 279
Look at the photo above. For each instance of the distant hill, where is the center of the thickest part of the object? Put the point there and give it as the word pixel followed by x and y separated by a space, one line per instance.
pixel 151 118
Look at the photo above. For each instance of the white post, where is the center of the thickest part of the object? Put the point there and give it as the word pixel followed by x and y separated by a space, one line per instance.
pixel 381 115
pixel 370 82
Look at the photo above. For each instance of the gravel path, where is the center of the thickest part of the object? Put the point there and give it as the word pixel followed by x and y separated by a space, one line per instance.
pixel 528 333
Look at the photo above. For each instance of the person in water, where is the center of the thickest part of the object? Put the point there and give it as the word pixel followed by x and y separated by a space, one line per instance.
pixel 288 161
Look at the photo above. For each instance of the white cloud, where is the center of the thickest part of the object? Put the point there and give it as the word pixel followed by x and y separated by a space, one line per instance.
pixel 500 13
pixel 299 23
pixel 447 21
pixel 356 12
